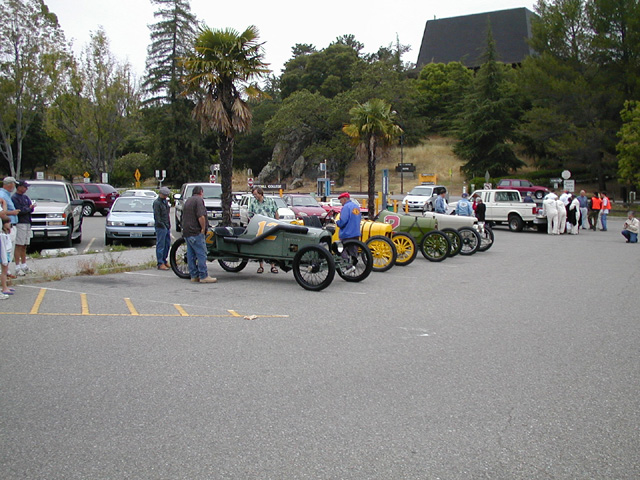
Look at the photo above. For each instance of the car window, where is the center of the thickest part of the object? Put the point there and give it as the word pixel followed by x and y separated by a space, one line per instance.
pixel 133 204
pixel 304 202
pixel 504 183
pixel 79 188
pixel 108 188
pixel 421 191
pixel 526 183
pixel 92 188
pixel 210 191
pixel 507 197
pixel 47 193
pixel 279 202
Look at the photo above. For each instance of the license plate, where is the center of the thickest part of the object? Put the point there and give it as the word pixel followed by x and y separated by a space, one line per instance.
pixel 135 235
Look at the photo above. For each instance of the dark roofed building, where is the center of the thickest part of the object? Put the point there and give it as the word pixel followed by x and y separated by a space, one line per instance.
pixel 464 39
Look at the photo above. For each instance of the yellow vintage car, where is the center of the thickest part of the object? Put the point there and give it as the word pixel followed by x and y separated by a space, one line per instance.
pixel 388 248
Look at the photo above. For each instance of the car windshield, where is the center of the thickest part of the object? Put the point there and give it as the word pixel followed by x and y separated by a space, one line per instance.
pixel 47 193
pixel 279 202
pixel 210 191
pixel 507 197
pixel 304 202
pixel 421 191
pixel 133 204
pixel 139 193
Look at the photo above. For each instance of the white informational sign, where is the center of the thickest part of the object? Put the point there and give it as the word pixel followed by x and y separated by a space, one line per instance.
pixel 105 177
pixel 570 185
pixel 40 175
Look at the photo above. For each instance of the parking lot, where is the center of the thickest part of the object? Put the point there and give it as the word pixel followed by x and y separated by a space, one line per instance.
pixel 519 362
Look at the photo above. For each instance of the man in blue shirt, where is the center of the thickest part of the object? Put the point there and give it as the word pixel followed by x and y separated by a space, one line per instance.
pixel 8 187
pixel 349 225
pixel 441 203
pixel 464 207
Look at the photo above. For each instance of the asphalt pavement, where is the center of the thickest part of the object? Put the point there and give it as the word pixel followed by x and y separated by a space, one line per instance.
pixel 520 362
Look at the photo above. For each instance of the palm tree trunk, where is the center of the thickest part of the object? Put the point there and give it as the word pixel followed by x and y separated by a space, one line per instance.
pixel 371 184
pixel 226 172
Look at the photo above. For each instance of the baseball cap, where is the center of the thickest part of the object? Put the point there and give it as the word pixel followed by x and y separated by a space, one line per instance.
pixel 23 183
pixel 8 180
pixel 165 191
pixel 344 195
pixel 465 195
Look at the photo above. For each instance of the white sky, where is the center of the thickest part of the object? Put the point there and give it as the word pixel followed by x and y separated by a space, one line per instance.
pixel 281 23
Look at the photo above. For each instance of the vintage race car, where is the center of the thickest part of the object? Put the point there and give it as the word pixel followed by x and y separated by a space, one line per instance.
pixel 439 235
pixel 308 251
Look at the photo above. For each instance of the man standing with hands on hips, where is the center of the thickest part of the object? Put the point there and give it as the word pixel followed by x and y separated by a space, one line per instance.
pixel 163 227
pixel 194 227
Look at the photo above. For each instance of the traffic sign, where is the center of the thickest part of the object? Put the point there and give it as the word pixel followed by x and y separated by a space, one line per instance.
pixel 250 182
pixel 212 179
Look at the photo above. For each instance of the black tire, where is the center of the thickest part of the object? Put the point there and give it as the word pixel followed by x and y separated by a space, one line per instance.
pixel 178 226
pixel 542 227
pixel 435 246
pixel 78 239
pixel 383 251
pixel 470 240
pixel 363 266
pixel 486 239
pixel 233 265
pixel 406 248
pixel 178 258
pixel 516 224
pixel 104 212
pixel 108 241
pixel 313 268
pixel 455 239
pixel 539 194
pixel 68 240
pixel 88 210
pixel 428 207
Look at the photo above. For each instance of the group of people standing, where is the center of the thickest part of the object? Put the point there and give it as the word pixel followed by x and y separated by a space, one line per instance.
pixel 15 211
pixel 568 213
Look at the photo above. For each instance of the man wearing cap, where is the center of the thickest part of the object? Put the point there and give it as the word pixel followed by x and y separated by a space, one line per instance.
pixel 8 187
pixel 464 207
pixel 163 227
pixel 23 228
pixel 349 225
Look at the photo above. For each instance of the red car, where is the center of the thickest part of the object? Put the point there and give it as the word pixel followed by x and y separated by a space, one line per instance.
pixel 304 205
pixel 524 187
pixel 102 194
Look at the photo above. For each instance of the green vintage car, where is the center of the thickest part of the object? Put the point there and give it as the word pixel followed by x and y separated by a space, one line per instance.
pixel 438 235
pixel 308 251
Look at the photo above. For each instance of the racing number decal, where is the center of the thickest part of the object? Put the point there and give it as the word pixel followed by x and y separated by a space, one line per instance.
pixel 261 227
pixel 208 239
pixel 393 220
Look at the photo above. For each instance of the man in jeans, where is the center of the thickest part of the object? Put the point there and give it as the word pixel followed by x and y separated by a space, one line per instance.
pixel 194 226
pixel 163 227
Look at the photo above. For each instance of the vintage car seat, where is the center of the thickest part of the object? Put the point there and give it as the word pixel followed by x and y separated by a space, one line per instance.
pixel 229 231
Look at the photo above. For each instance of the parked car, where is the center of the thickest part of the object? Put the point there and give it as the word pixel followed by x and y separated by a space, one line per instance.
pixel 139 193
pixel 523 186
pixel 333 206
pixel 304 205
pixel 423 197
pixel 58 213
pixel 130 218
pixel 212 201
pixel 284 212
pixel 102 194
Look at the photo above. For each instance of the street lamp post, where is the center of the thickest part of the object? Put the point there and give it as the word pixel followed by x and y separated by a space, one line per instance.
pixel 402 164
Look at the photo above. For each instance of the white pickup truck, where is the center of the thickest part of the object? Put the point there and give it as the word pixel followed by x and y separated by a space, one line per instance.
pixel 506 206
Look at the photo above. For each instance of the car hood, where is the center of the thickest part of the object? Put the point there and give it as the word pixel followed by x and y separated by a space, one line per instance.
pixel 130 217
pixel 50 207
pixel 317 211
pixel 416 197
pixel 212 202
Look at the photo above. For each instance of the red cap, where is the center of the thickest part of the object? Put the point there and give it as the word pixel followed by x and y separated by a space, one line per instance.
pixel 344 195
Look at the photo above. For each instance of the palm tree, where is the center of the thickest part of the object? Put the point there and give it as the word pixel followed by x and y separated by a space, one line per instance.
pixel 372 128
pixel 219 71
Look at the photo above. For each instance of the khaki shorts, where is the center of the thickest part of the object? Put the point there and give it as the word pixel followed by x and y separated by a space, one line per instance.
pixel 23 234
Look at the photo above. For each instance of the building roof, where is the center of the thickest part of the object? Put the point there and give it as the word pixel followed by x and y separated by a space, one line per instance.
pixel 464 39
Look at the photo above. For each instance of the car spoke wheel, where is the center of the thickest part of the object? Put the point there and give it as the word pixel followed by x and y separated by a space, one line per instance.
pixel 232 265
pixel 470 240
pixel 383 251
pixel 178 258
pixel 486 238
pixel 313 268
pixel 362 262
pixel 406 248
pixel 455 239
pixel 435 246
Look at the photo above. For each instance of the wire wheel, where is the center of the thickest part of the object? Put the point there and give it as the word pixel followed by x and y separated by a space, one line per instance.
pixel 383 251
pixel 178 258
pixel 406 248
pixel 470 240
pixel 435 246
pixel 455 239
pixel 313 268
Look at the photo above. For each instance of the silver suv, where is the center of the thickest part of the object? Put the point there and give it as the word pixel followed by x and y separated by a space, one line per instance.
pixel 58 213
pixel 212 201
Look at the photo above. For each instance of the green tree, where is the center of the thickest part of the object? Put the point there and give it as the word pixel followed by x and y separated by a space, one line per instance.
pixel 93 118
pixel 372 128
pixel 629 145
pixel 486 127
pixel 171 38
pixel 31 54
pixel 221 67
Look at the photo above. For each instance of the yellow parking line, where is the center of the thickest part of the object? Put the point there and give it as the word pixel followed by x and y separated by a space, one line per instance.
pixel 181 310
pixel 132 309
pixel 36 305
pixel 234 313
pixel 85 304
